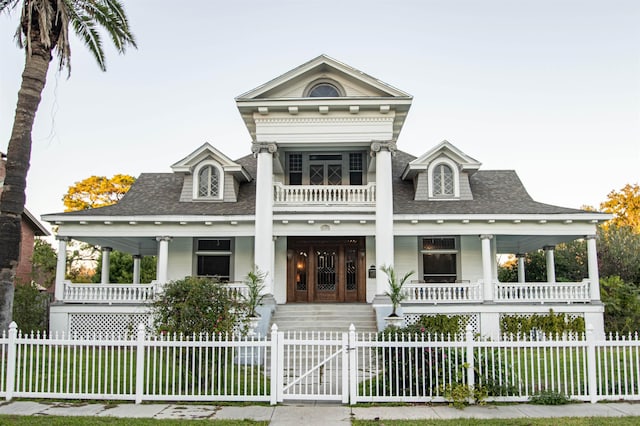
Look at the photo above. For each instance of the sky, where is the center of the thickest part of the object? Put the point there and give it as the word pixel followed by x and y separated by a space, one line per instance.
pixel 549 88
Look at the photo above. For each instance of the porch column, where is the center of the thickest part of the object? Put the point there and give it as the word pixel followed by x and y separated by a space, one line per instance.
pixel 106 261
pixel 136 268
pixel 487 266
pixel 263 240
pixel 521 271
pixel 162 272
pixel 592 265
pixel 61 267
pixel 551 266
pixel 384 211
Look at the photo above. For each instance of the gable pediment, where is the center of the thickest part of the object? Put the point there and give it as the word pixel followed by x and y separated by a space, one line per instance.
pixel 294 84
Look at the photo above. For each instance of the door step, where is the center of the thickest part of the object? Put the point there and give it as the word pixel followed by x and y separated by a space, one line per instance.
pixel 324 317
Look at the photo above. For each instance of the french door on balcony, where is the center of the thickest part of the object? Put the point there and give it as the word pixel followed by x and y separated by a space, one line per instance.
pixel 326 270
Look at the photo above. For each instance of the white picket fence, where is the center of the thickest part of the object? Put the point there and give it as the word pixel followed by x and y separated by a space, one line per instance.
pixel 350 367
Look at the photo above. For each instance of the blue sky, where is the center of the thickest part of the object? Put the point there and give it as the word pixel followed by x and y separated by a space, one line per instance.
pixel 550 89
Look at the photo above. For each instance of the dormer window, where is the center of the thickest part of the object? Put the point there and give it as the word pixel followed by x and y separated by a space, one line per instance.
pixel 324 88
pixel 208 183
pixel 443 182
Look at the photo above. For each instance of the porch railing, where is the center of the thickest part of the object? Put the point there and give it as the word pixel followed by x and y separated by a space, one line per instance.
pixel 542 292
pixel 108 293
pixel 442 293
pixel 324 194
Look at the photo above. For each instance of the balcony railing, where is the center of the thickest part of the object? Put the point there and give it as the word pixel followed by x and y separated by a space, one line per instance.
pixel 442 293
pixel 542 292
pixel 339 195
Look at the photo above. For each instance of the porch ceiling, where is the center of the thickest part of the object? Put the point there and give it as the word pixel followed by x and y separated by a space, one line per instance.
pixel 527 243
pixel 146 246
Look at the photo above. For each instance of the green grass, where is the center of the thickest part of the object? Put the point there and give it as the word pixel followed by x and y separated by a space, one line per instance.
pixel 564 421
pixel 112 421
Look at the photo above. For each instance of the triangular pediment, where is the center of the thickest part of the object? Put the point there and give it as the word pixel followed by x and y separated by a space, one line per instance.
pixel 207 152
pixel 443 149
pixel 294 84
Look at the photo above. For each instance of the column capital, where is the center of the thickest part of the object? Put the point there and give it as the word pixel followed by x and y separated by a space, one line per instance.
pixel 486 236
pixel 258 147
pixel 137 256
pixel 590 237
pixel 548 247
pixel 164 238
pixel 520 255
pixel 377 146
pixel 107 249
pixel 65 239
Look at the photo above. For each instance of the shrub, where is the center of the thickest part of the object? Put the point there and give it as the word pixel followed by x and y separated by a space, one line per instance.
pixel 549 324
pixel 30 308
pixel 549 398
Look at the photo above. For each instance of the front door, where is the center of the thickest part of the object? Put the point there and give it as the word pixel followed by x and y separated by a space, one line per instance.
pixel 326 270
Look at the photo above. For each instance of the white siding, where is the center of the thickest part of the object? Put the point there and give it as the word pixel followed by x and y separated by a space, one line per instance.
pixel 280 272
pixel 180 258
pixel 406 256
pixel 371 260
pixel 242 258
pixel 470 258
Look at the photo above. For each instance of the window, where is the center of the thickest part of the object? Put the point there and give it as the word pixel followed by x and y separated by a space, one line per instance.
pixel 295 169
pixel 355 168
pixel 324 90
pixel 326 169
pixel 443 182
pixel 439 260
pixel 209 182
pixel 213 258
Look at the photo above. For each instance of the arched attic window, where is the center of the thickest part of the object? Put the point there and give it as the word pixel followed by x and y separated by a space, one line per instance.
pixel 443 181
pixel 324 89
pixel 208 182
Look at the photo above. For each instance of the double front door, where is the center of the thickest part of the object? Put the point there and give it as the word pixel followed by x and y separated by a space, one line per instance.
pixel 326 270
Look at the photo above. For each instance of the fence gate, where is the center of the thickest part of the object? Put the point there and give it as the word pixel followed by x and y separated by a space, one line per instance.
pixel 313 365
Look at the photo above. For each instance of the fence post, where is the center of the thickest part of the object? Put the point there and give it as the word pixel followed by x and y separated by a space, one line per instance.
pixel 140 363
pixel 274 365
pixel 471 380
pixel 592 377
pixel 353 371
pixel 11 360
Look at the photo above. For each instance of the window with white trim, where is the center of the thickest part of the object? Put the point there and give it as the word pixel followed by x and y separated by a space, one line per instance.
pixel 208 183
pixel 443 180
pixel 213 258
pixel 439 259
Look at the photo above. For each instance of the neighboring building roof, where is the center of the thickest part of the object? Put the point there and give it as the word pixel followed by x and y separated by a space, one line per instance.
pixel 494 192
pixel 38 229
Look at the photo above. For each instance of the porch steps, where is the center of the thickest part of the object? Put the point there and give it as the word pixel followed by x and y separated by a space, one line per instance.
pixel 324 317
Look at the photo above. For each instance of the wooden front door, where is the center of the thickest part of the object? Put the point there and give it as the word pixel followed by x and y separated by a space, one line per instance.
pixel 326 270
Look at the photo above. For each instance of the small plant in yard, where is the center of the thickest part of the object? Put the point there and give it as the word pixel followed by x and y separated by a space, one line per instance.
pixel 395 287
pixel 549 398
pixel 461 394
pixel 255 287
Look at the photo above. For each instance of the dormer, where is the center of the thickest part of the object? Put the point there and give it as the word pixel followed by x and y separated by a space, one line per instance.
pixel 324 102
pixel 442 173
pixel 210 176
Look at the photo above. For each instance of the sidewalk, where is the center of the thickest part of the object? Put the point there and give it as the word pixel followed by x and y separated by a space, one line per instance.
pixel 317 413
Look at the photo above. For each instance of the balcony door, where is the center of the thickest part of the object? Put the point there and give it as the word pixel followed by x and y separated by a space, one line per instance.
pixel 325 172
pixel 325 270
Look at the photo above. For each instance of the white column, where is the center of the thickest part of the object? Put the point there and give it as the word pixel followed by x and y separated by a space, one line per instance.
pixel 592 264
pixel 521 270
pixel 551 265
pixel 136 268
pixel 487 266
pixel 263 241
pixel 106 262
pixel 162 272
pixel 384 211
pixel 61 267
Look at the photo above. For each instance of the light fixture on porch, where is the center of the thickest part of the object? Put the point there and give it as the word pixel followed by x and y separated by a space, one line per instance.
pixel 372 271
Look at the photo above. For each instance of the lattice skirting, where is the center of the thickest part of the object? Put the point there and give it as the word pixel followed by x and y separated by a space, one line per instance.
pixel 105 324
pixel 465 318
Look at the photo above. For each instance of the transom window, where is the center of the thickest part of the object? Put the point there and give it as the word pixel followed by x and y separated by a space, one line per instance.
pixel 209 182
pixel 213 258
pixel 324 90
pixel 439 260
pixel 443 182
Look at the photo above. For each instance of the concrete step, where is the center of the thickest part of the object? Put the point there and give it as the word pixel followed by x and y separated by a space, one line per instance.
pixel 324 317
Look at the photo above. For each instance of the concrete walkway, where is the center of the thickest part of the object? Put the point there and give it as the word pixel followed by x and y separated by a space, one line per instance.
pixel 316 413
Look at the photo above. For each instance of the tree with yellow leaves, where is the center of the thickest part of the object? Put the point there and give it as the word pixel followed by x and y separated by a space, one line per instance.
pixel 625 207
pixel 97 191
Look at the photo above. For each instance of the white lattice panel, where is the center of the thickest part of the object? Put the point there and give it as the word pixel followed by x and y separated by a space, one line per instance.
pixel 105 324
pixel 472 319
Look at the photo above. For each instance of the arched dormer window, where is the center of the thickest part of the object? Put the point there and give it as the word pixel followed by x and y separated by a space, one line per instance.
pixel 443 179
pixel 324 89
pixel 208 183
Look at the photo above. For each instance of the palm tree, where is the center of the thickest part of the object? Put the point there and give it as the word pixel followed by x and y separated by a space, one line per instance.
pixel 43 33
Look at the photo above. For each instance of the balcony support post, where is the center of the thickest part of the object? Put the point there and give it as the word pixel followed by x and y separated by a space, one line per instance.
pixel 592 264
pixel 384 211
pixel 521 270
pixel 263 241
pixel 106 262
pixel 487 267
pixel 162 273
pixel 136 268
pixel 551 267
pixel 61 267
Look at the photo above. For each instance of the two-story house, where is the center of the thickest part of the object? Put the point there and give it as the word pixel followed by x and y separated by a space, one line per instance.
pixel 325 199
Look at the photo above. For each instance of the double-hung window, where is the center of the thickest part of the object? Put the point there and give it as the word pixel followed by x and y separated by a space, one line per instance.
pixel 213 258
pixel 439 259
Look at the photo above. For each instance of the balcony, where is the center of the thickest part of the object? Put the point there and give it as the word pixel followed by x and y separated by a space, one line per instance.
pixel 324 195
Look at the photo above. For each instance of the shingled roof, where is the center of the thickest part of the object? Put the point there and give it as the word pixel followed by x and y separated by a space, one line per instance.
pixel 494 192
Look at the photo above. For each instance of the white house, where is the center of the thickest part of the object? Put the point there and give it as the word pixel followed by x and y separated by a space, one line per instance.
pixel 326 198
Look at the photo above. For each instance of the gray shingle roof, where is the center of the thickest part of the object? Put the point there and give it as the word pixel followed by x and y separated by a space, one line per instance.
pixel 494 192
